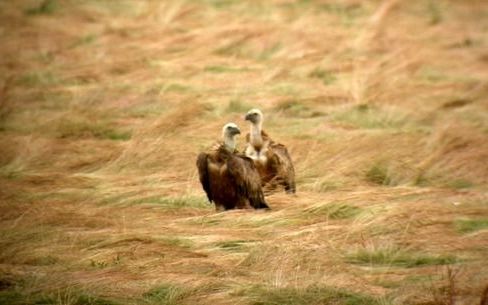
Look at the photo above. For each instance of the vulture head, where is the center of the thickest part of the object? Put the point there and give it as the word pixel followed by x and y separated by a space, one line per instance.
pixel 229 131
pixel 254 116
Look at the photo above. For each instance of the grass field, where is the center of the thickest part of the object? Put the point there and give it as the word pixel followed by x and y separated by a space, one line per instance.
pixel 104 106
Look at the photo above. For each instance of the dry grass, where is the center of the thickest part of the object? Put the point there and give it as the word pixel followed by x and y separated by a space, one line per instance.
pixel 104 106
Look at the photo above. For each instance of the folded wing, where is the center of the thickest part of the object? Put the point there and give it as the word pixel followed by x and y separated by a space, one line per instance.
pixel 247 180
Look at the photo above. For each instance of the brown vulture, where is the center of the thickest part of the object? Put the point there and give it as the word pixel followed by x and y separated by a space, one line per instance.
pixel 271 159
pixel 230 179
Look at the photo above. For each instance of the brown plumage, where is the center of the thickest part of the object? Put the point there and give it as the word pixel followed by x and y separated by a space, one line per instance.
pixel 484 297
pixel 229 179
pixel 272 159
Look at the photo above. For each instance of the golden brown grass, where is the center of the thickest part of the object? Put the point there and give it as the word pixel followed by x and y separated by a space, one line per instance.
pixel 104 106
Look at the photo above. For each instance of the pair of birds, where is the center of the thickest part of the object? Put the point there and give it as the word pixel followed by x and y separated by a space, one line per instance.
pixel 235 180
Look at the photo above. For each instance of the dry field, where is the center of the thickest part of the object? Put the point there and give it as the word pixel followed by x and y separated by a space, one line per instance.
pixel 106 104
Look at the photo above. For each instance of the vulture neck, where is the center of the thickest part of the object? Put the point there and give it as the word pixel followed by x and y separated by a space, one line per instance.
pixel 256 138
pixel 229 143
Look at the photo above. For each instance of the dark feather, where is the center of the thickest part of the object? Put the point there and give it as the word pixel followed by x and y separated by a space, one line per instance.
pixel 247 179
pixel 203 174
pixel 230 180
pixel 285 167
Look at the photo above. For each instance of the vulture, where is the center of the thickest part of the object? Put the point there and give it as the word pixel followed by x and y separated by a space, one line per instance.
pixel 272 159
pixel 229 178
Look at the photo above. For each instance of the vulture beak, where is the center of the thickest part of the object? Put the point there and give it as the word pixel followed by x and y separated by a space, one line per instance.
pixel 236 131
pixel 249 117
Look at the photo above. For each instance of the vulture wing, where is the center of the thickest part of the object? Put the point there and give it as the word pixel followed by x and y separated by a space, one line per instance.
pixel 247 180
pixel 284 166
pixel 202 165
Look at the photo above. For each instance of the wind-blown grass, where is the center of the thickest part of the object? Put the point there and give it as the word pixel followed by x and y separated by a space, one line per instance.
pixel 105 105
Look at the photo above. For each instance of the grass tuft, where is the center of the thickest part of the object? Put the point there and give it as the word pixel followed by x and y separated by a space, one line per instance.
pixel 269 52
pixel 471 225
pixel 393 256
pixel 366 116
pixel 234 245
pixel 378 174
pixel 421 180
pixel 84 40
pixel 177 88
pixel 198 202
pixel 166 295
pixel 325 76
pixel 68 296
pixel 46 7
pixel 237 106
pixel 435 12
pixel 335 210
pixel 234 48
pixel 38 78
pixel 12 171
pixel 323 186
pixel 296 108
pixel 347 12
pixel 178 242
pixel 460 184
pixel 223 69
pixel 82 128
pixel 12 297
pixel 311 295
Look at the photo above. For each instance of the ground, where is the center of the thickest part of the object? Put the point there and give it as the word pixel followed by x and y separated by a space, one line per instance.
pixel 105 105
